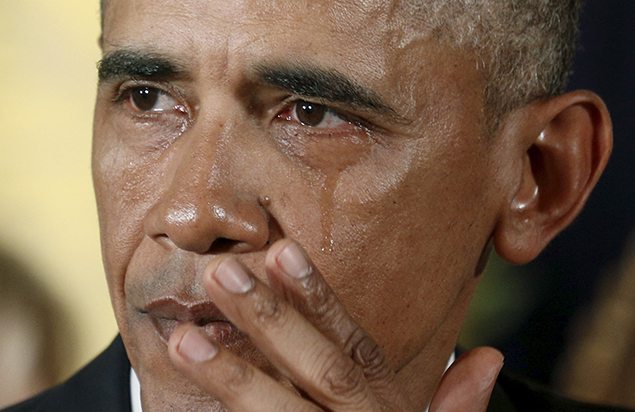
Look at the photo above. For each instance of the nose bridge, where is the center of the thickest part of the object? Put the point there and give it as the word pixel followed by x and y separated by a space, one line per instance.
pixel 204 205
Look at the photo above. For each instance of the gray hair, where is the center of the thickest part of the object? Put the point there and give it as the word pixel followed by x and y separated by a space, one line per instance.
pixel 524 48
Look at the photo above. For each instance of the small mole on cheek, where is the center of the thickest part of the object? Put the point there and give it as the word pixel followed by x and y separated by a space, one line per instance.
pixel 264 201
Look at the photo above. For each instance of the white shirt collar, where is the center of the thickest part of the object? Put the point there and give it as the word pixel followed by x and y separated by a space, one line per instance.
pixel 135 392
pixel 135 387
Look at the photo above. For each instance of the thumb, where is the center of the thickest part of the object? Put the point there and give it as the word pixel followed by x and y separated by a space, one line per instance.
pixel 468 384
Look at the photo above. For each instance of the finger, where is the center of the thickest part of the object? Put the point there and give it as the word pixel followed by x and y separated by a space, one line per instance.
pixel 291 343
pixel 234 382
pixel 468 384
pixel 293 275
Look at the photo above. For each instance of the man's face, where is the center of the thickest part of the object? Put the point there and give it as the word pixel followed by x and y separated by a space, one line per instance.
pixel 221 127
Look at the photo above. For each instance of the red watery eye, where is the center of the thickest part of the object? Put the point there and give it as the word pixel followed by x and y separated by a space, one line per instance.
pixel 144 99
pixel 310 114
pixel 314 115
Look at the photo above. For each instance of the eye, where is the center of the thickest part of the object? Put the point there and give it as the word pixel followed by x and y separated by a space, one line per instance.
pixel 313 115
pixel 147 99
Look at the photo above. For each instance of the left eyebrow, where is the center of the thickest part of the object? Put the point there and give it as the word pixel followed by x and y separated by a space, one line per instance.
pixel 323 84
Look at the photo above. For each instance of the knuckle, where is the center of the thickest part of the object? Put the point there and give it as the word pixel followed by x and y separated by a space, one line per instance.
pixel 238 376
pixel 269 311
pixel 342 377
pixel 324 303
pixel 322 300
pixel 325 307
pixel 369 355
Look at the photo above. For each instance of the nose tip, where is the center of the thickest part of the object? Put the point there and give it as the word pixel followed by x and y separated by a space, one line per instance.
pixel 209 227
pixel 207 198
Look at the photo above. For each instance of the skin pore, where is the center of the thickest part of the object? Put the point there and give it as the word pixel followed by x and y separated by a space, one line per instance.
pixel 394 189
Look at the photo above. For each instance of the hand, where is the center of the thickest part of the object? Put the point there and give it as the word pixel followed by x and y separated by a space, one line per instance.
pixel 298 323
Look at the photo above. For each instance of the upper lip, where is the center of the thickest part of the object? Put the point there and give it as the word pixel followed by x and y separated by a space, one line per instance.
pixel 171 308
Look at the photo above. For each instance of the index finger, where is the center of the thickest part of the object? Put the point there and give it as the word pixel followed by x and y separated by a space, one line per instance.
pixel 294 346
pixel 292 274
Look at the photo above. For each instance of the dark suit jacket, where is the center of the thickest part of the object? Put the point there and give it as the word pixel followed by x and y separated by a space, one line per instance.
pixel 101 386
pixel 104 385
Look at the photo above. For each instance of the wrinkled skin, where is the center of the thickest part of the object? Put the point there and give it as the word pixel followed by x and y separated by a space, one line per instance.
pixel 395 210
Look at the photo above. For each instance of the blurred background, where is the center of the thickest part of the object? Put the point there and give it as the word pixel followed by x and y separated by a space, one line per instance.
pixel 48 221
pixel 567 320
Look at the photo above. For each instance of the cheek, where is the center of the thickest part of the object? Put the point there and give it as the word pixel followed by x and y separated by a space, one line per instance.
pixel 407 238
pixel 125 188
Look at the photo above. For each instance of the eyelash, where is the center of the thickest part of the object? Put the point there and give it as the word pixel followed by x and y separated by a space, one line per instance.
pixel 125 91
pixel 291 106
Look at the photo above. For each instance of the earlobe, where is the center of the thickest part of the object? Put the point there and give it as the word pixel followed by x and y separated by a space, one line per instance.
pixel 561 165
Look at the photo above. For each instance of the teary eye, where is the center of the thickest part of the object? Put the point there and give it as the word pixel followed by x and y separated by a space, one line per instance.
pixel 310 114
pixel 313 115
pixel 150 99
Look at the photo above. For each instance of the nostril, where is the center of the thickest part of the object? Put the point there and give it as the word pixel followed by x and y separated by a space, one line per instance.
pixel 224 245
pixel 275 231
pixel 227 245
pixel 199 225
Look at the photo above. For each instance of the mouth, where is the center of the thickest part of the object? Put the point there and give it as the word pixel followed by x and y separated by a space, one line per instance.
pixel 166 314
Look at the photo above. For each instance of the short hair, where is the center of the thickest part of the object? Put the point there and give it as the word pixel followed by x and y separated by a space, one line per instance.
pixel 524 48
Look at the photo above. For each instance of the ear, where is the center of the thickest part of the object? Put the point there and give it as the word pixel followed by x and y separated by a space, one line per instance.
pixel 565 143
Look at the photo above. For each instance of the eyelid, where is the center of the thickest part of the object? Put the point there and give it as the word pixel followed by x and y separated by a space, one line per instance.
pixel 343 113
pixel 123 90
pixel 125 87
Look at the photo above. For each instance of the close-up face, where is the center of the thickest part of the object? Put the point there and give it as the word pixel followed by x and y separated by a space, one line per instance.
pixel 221 127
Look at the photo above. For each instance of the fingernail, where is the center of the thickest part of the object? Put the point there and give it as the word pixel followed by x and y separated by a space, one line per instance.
pixel 293 262
pixel 231 275
pixel 195 347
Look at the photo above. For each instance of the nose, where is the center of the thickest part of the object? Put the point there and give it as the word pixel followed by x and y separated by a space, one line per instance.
pixel 204 207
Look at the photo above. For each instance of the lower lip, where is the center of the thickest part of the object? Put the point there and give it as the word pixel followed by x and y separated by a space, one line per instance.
pixel 222 332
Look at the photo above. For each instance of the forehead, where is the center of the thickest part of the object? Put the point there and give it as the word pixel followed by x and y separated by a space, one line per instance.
pixel 336 16
pixel 297 27
pixel 345 11
pixel 383 43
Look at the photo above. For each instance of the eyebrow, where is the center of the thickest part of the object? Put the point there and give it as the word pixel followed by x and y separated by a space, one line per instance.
pixel 129 63
pixel 323 84
pixel 305 80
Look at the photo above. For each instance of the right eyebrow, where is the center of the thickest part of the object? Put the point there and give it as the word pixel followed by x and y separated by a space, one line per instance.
pixel 135 64
pixel 325 84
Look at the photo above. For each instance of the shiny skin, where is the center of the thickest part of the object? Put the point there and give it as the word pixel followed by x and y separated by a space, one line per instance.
pixel 395 212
